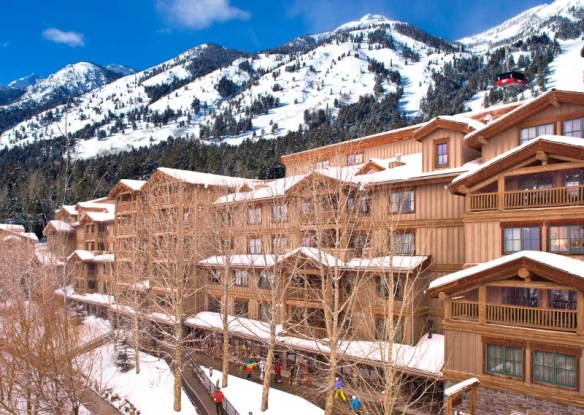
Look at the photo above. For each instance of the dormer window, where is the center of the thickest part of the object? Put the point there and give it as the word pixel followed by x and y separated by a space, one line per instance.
pixel 355 158
pixel 441 152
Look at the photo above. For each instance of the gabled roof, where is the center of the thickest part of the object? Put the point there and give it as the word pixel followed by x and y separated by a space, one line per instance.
pixel 315 255
pixel 558 268
pixel 245 260
pixel 523 112
pixel 82 254
pixel 126 185
pixel 58 226
pixel 68 209
pixel 11 228
pixel 448 122
pixel 98 217
pixel 268 190
pixel 96 206
pixel 571 147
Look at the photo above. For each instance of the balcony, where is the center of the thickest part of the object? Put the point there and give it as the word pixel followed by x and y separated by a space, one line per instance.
pixel 304 294
pixel 308 331
pixel 513 315
pixel 523 199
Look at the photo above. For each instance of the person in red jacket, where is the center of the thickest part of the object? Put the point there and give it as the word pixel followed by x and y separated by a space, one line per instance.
pixel 218 398
pixel 278 371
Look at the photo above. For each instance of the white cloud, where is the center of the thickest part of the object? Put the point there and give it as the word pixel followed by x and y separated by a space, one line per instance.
pixel 199 14
pixel 72 39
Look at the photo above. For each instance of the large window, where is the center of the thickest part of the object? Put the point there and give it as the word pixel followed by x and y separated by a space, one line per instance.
pixel 403 243
pixel 554 368
pixel 441 154
pixel 214 276
pixel 360 205
pixel 254 216
pixel 279 244
pixel 528 134
pixel 382 330
pixel 504 360
pixel 213 304
pixel 265 312
pixel 279 213
pixel 266 279
pixel 568 239
pixel 574 128
pixel 354 158
pixel 358 242
pixel 521 239
pixel 402 201
pixel 383 286
pixel 254 246
pixel 241 278
pixel 241 308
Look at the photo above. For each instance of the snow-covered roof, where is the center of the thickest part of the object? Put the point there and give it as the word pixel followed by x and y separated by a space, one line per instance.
pixel 463 119
pixel 427 356
pixel 97 206
pixel 133 184
pixel 560 262
pixel 11 228
pixel 82 255
pixel 270 189
pixel 391 263
pixel 59 226
pixel 315 255
pixel 104 258
pixel 460 386
pixel 94 298
pixel 45 257
pixel 245 260
pixel 70 209
pixel 204 179
pixel 559 139
pixel 99 216
pixel 30 235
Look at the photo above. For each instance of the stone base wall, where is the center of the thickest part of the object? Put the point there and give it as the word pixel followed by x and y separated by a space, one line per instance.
pixel 491 401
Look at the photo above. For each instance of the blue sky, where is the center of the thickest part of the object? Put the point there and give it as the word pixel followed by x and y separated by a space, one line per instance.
pixel 42 36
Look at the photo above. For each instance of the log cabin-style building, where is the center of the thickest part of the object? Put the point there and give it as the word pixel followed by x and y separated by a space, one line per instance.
pixel 471 224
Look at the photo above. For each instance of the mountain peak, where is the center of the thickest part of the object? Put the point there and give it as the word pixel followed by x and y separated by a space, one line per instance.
pixel 364 21
pixel 24 82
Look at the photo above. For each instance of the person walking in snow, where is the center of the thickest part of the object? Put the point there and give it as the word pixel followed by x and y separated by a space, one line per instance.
pixel 248 367
pixel 340 389
pixel 218 399
pixel 262 366
pixel 278 371
pixel 356 405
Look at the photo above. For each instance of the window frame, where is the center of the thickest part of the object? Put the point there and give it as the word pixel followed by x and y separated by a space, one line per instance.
pixel 214 276
pixel 254 245
pixel 569 239
pixel 280 213
pixel 402 244
pixel 266 279
pixel 505 345
pixel 399 199
pixel 254 215
pixel 354 159
pixel 438 155
pixel 241 301
pixel 556 350
pixel 509 227
pixel 570 133
pixel 537 130
pixel 279 244
pixel 240 278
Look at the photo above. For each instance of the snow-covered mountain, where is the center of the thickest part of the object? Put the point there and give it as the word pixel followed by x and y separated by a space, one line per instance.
pixel 214 93
pixel 25 82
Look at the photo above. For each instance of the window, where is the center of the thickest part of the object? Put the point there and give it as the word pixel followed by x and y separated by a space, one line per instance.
pixel 241 278
pixel 402 201
pixel 266 279
pixel 307 206
pixel 91 285
pixel 279 213
pixel 254 246
pixel 226 245
pixel 574 128
pixel 402 243
pixel 226 219
pixel 573 181
pixel 330 238
pixel 359 205
pixel 358 243
pixel 214 276
pixel 240 308
pixel 383 288
pixel 554 368
pixel 322 164
pixel 504 360
pixel 355 158
pixel 520 239
pixel 567 239
pixel 279 244
pixel 254 216
pixel 213 304
pixel 441 154
pixel 309 239
pixel 265 312
pixel 528 134
pixel 381 330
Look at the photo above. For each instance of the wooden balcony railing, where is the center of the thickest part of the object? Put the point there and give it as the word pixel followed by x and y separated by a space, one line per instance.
pixel 304 294
pixel 546 318
pixel 309 331
pixel 465 310
pixel 521 199
pixel 125 206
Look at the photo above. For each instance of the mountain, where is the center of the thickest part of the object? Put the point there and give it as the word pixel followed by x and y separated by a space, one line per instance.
pixel 32 94
pixel 221 95
pixel 23 83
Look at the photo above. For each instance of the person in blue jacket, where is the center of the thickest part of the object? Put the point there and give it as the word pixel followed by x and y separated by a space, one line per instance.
pixel 356 405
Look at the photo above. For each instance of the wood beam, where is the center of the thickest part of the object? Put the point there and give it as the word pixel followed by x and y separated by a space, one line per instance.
pixel 542 156
pixel 482 140
pixel 554 101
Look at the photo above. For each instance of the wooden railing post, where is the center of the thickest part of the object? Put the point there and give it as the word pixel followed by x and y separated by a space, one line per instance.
pixel 447 305
pixel 501 193
pixel 580 313
pixel 482 304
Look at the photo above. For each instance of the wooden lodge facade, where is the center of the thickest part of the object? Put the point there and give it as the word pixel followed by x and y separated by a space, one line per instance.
pixel 468 226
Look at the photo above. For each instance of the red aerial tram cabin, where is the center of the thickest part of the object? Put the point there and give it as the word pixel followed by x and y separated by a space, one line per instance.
pixel 510 78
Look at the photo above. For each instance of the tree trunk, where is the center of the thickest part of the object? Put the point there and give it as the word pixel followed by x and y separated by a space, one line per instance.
pixel 268 366
pixel 136 344
pixel 330 392
pixel 178 369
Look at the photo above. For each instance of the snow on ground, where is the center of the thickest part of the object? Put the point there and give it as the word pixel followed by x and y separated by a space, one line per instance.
pixel 151 391
pixel 246 397
pixel 568 67
pixel 94 327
